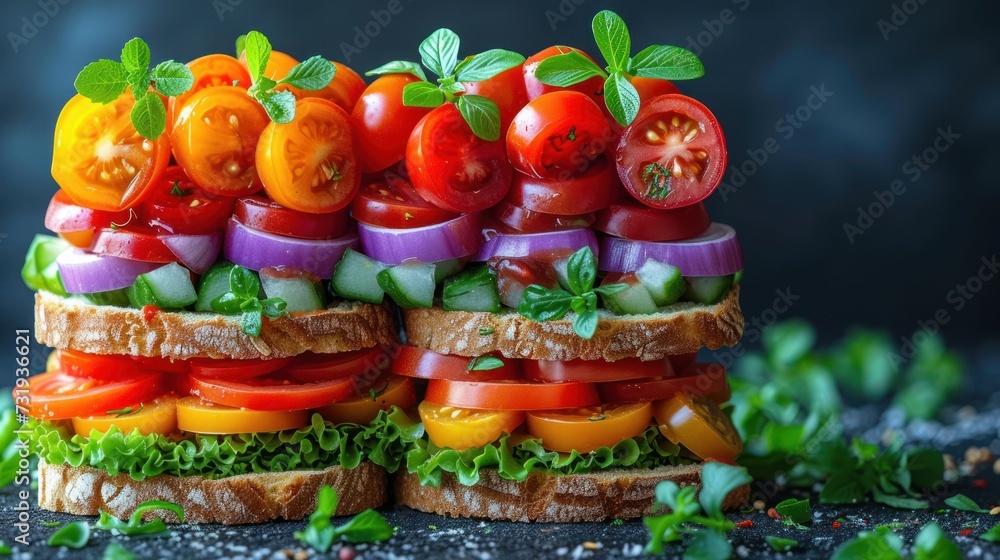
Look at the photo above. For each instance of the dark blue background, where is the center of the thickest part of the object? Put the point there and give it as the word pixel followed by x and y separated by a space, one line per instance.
pixel 938 69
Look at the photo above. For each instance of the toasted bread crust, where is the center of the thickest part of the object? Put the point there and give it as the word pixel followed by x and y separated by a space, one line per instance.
pixel 649 337
pixel 237 500
pixel 547 498
pixel 66 323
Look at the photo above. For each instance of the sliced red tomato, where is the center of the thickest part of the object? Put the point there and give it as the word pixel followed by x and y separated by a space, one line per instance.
pixel 178 205
pixel 263 214
pixel 510 395
pixel 593 87
pixel 369 363
pixel 586 429
pixel 55 395
pixel 310 164
pixel 462 428
pixel 394 203
pixel 100 160
pixel 274 392
pixel 181 367
pixel 507 90
pixel 424 364
pixel 595 371
pixel 514 275
pixel 682 361
pixel 362 409
pixel 235 369
pixel 132 242
pixel 648 88
pixel 453 168
pixel 673 154
pixel 78 224
pixel 213 70
pixel 558 135
pixel 522 220
pixel 699 425
pixel 158 416
pixel 595 189
pixel 202 417
pixel 382 124
pixel 94 366
pixel 699 379
pixel 632 220
pixel 215 140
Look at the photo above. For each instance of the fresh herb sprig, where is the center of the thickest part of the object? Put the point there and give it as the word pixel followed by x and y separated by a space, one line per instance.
pixel 545 304
pixel 320 534
pixel 105 80
pixel 484 363
pixel 663 62
pixel 243 297
pixel 135 526
pixel 314 73
pixel 439 54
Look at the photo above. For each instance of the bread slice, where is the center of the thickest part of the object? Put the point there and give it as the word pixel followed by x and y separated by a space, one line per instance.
pixel 68 323
pixel 237 500
pixel 548 498
pixel 685 328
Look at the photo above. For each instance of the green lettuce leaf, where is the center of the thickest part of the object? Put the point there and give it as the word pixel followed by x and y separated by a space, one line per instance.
pixel 317 446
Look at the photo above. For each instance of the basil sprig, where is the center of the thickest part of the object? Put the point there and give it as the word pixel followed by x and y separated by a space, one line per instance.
pixel 242 297
pixel 662 62
pixel 105 80
pixel 320 534
pixel 313 74
pixel 544 304
pixel 439 54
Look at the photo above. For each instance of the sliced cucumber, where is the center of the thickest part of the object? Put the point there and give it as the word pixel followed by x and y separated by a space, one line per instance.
pixel 299 294
pixel 410 285
pixel 214 283
pixel 167 287
pixel 636 300
pixel 707 289
pixel 115 298
pixel 444 269
pixel 738 277
pixel 473 290
pixel 355 278
pixel 664 282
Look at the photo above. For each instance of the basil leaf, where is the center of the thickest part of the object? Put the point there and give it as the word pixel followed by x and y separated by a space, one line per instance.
pixel 881 544
pixel 315 73
pixel 102 81
pixel 138 82
pixel 487 64
pixel 621 98
pixel 842 488
pixel 227 304
pixel 482 115
pixel 399 67
pixel 564 70
pixel 717 481
pixel 899 502
pixel 241 45
pixel 798 511
pixel 149 115
pixel 172 78
pixel 993 535
pixel 611 289
pixel 280 106
pixel 365 527
pixel 258 51
pixel 538 303
pixel 612 37
pixel 484 363
pixel 422 94
pixel 251 323
pixel 779 544
pixel 273 307
pixel 585 324
pixel 115 551
pixel 73 535
pixel 581 270
pixel 964 503
pixel 665 62
pixel 932 544
pixel 244 282
pixel 708 544
pixel 135 55
pixel 439 52
pixel 666 493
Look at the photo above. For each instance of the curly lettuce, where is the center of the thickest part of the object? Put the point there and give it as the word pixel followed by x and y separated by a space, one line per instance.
pixel 317 446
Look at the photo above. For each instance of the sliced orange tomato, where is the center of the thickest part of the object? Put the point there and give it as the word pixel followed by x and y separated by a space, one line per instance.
pixel 203 417
pixel 100 160
pixel 585 429
pixel 273 392
pixel 510 395
pixel 211 70
pixel 362 409
pixel 461 428
pixel 56 395
pixel 344 90
pixel 700 425
pixel 310 164
pixel 158 416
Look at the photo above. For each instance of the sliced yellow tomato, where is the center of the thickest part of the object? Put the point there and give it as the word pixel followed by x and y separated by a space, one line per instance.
pixel 461 428
pixel 203 417
pixel 586 429
pixel 156 417
pixel 700 425
pixel 362 409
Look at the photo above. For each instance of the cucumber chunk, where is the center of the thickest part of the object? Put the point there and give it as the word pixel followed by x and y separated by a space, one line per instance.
pixel 410 285
pixel 214 283
pixel 664 282
pixel 299 294
pixel 444 269
pixel 636 300
pixel 738 277
pixel 707 289
pixel 473 290
pixel 167 287
pixel 355 278
pixel 114 298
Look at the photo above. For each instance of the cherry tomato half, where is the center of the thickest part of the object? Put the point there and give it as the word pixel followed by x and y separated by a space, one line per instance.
pixel 343 90
pixel 631 220
pixel 453 168
pixel 56 395
pixel 211 70
pixel 310 164
pixel 382 123
pixel 700 379
pixel 424 364
pixel 461 428
pixel 673 154
pixel 203 417
pixel 595 371
pixel 586 429
pixel 362 409
pixel 593 87
pixel 506 89
pixel 594 189
pixel 134 242
pixel 647 88
pixel 77 224
pixel 394 203
pixel 522 220
pixel 100 160
pixel 263 214
pixel 273 393
pixel 700 425
pixel 510 395
pixel 178 205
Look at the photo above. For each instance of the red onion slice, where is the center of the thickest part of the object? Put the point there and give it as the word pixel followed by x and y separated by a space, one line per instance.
pixel 453 239
pixel 525 244
pixel 87 273
pixel 256 250
pixel 713 253
pixel 197 252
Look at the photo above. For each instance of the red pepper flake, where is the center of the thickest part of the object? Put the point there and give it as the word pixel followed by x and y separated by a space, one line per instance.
pixel 965 532
pixel 149 312
pixel 836 524
pixel 745 524
pixel 773 514
pixel 979 483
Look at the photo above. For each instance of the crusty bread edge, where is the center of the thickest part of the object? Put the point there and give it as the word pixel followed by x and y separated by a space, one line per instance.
pixel 66 323
pixel 549 498
pixel 686 328
pixel 236 500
